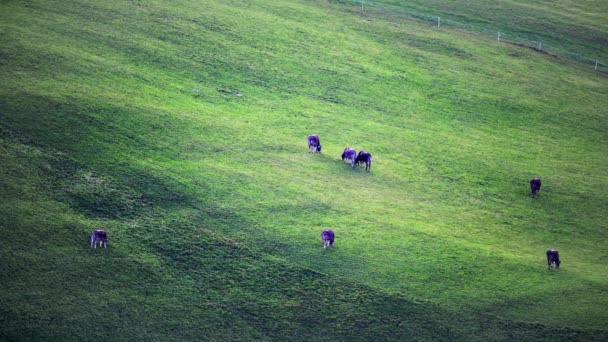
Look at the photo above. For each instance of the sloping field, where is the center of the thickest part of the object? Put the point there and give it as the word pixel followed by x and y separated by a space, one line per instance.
pixel 576 27
pixel 180 127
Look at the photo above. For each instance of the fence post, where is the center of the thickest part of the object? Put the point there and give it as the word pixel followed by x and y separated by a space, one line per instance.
pixel 540 46
pixel 498 35
pixel 438 21
pixel 596 64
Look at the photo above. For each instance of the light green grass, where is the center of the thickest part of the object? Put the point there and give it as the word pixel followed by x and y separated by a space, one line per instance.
pixel 181 127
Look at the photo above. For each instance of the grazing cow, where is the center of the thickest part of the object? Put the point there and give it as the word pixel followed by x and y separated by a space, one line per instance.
pixel 349 154
pixel 314 144
pixel 364 158
pixel 328 238
pixel 535 185
pixel 553 258
pixel 99 235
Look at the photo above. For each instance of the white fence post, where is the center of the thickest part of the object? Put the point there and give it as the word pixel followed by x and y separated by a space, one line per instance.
pixel 498 35
pixel 596 64
pixel 438 21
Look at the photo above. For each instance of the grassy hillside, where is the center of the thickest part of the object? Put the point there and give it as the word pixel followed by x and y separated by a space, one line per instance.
pixel 180 127
pixel 573 27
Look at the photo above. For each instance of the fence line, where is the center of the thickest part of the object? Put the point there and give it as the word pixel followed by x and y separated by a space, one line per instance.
pixel 501 36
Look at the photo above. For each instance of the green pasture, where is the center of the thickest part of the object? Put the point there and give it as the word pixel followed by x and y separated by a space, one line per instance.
pixel 578 29
pixel 180 127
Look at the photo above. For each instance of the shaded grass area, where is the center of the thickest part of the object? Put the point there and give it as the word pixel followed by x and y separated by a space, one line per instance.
pixel 181 129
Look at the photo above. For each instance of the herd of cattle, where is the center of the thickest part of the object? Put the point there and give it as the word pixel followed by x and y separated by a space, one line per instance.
pixel 349 154
pixel 99 236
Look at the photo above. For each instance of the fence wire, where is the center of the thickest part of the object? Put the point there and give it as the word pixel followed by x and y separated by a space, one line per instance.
pixel 500 35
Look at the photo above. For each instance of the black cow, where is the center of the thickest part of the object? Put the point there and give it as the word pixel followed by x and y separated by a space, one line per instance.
pixel 535 185
pixel 364 158
pixel 349 154
pixel 553 258
pixel 99 235
pixel 314 144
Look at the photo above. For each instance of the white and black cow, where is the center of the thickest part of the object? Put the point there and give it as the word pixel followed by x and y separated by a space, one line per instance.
pixel 328 237
pixel 553 258
pixel 99 235
pixel 314 144
pixel 349 154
